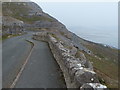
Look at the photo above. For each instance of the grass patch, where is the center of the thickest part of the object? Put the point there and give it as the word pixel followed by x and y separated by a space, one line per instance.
pixel 105 64
pixel 21 12
pixel 0 38
pixel 7 36
pixel 106 70
pixel 9 8
pixel 108 53
pixel 53 35
pixel 37 29
pixel 34 18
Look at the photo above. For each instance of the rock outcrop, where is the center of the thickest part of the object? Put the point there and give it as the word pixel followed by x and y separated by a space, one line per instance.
pixel 11 26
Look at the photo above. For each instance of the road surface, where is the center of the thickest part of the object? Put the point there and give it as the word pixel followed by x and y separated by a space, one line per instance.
pixel 0 64
pixel 41 70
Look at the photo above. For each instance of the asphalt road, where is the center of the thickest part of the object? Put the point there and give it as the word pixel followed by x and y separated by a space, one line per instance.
pixel 14 52
pixel 41 70
pixel 0 64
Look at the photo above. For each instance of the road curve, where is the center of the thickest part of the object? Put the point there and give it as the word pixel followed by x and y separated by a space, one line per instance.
pixel 41 70
pixel 14 52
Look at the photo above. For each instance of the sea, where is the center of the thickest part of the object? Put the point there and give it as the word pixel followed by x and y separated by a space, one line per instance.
pixel 102 35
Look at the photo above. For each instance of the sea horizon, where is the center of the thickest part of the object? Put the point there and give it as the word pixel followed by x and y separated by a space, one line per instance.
pixel 107 37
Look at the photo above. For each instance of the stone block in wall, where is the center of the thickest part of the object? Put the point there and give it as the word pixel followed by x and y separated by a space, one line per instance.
pixel 85 76
pixel 93 86
pixel 73 51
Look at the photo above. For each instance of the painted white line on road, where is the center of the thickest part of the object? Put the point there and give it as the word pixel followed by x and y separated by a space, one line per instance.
pixel 23 67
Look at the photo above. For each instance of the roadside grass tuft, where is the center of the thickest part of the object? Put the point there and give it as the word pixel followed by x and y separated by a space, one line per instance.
pixel 105 62
pixel 7 36
pixel 106 70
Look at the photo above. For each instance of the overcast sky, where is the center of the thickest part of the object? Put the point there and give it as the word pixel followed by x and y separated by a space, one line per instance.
pixel 99 19
pixel 88 14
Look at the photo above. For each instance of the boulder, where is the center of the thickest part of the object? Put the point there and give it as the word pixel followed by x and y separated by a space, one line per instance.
pixel 73 51
pixel 93 86
pixel 86 76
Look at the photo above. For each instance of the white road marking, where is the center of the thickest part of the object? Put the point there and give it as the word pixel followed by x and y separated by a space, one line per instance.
pixel 21 70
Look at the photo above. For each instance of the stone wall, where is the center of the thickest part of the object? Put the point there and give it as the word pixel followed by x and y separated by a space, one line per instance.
pixel 78 72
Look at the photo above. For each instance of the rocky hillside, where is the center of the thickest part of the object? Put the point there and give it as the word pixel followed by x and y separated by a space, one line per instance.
pixel 26 16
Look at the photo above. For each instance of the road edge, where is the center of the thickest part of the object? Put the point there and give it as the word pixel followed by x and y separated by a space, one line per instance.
pixel 23 66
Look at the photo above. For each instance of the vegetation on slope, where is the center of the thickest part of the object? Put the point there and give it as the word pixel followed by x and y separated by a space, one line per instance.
pixel 105 62
pixel 105 59
pixel 21 11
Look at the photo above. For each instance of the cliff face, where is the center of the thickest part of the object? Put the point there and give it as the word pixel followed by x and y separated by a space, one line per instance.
pixel 11 25
pixel 31 15
pixel 75 53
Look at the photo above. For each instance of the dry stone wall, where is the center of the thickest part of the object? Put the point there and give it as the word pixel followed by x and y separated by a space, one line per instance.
pixel 78 72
